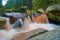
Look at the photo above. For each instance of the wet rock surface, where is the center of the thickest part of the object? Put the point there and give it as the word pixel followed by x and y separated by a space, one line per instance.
pixel 51 35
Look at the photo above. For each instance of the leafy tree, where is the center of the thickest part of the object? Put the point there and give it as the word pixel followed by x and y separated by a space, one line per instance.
pixel 35 4
pixel 58 1
pixel 43 3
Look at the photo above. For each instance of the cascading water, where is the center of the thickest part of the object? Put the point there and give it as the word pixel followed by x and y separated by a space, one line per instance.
pixel 20 22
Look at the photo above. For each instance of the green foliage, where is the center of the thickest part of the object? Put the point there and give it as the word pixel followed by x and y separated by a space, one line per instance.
pixel 35 4
pixel 1 8
pixel 43 3
pixel 10 4
pixel 17 4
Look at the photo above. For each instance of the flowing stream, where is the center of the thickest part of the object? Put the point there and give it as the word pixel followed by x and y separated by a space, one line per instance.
pixel 4 35
pixel 7 35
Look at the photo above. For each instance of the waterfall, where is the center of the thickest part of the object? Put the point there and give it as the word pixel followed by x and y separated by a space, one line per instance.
pixel 4 35
pixel 26 24
pixel 30 21
pixel 18 23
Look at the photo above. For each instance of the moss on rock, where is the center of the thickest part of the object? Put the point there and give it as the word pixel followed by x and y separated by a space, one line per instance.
pixel 54 15
pixel 2 22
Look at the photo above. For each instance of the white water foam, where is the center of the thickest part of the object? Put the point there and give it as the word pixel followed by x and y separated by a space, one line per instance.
pixel 44 26
pixel 4 35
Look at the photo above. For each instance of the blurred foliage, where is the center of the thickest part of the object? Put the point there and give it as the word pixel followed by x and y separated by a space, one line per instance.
pixel 43 3
pixel 1 7
pixel 36 4
pixel 15 6
pixel 32 4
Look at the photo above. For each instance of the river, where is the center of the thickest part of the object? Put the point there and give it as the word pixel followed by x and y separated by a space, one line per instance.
pixel 13 31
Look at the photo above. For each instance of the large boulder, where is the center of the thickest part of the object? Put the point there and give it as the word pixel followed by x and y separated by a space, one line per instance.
pixel 53 8
pixel 54 12
pixel 51 35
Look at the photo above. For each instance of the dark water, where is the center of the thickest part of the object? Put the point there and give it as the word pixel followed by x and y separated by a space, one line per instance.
pixel 54 22
pixel 57 24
